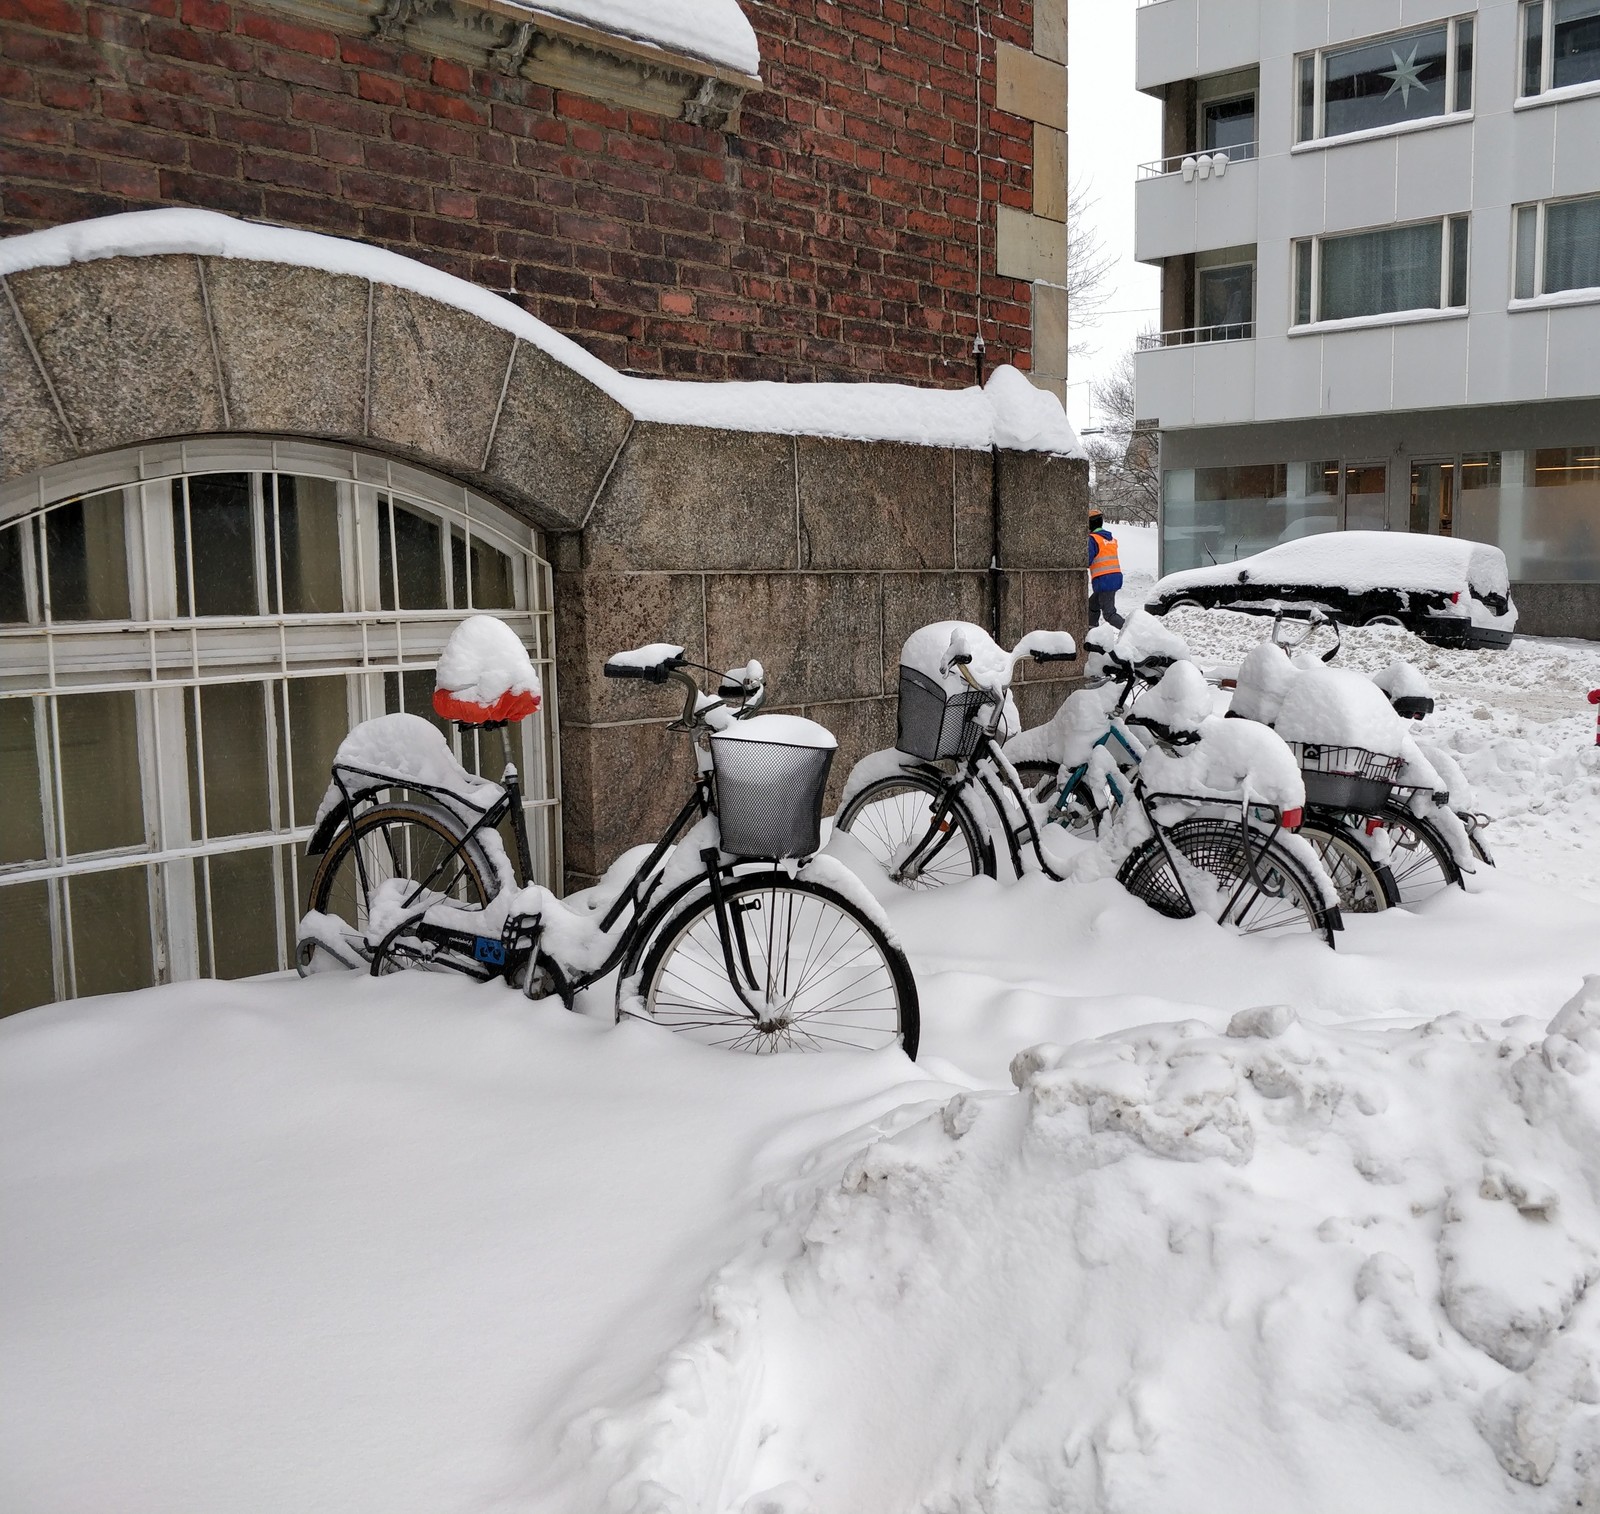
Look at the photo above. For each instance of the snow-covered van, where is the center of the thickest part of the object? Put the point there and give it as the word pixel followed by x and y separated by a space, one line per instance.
pixel 1455 593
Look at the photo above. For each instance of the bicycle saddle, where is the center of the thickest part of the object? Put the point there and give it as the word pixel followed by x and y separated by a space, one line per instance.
pixel 1164 734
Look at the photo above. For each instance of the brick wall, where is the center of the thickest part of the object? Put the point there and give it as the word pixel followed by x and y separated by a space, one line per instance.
pixel 831 235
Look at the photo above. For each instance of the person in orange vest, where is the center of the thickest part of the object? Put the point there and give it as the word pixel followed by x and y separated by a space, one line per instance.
pixel 1105 573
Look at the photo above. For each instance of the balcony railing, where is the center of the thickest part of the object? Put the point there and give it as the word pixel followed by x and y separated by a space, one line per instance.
pixel 1234 331
pixel 1201 164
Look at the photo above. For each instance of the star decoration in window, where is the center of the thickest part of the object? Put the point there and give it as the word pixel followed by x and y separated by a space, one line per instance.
pixel 1406 75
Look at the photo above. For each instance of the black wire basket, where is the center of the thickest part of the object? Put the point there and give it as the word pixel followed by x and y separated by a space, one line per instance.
pixel 1346 777
pixel 934 724
pixel 769 795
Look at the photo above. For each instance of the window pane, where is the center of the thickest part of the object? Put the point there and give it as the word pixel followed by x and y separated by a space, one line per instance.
pixel 233 732
pixel 319 717
pixel 1558 522
pixel 223 549
pixel 1226 301
pixel 1572 244
pixel 1366 497
pixel 111 931
pixel 1213 515
pixel 13 587
pixel 1378 272
pixel 100 793
pixel 414 561
pixel 1532 46
pixel 492 583
pixel 21 808
pixel 312 580
pixel 243 915
pixel 1228 125
pixel 1302 282
pixel 88 559
pixel 1463 99
pixel 1527 244
pixel 1381 83
pixel 1575 43
pixel 27 976
pixel 1458 261
pixel 1308 99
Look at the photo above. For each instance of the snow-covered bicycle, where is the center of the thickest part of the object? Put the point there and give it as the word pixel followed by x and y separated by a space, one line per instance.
pixel 729 929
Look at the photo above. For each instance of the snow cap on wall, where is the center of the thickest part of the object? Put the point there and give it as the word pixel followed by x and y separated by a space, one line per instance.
pixel 713 29
pixel 1007 412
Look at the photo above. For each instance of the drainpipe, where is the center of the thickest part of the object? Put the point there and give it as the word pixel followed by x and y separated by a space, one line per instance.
pixel 996 579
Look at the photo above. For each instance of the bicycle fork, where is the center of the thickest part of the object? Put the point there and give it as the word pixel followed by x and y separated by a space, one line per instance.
pixel 735 942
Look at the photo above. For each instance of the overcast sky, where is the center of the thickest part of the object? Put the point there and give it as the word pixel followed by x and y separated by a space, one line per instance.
pixel 1111 130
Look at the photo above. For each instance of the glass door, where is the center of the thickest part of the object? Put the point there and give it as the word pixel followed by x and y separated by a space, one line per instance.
pixel 1433 496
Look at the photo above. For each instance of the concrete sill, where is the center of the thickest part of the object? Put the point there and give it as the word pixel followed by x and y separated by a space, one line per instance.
pixel 1585 91
pixel 1388 318
pixel 1561 300
pixel 1378 133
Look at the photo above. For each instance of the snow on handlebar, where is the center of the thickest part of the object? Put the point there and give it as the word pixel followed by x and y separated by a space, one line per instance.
pixel 655 662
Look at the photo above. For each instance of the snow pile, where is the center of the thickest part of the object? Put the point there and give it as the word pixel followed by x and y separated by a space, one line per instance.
pixel 782 730
pixel 407 750
pixel 714 29
pixel 1285 1266
pixel 1403 680
pixel 1007 412
pixel 1233 760
pixel 1265 676
pixel 929 649
pixel 1145 636
pixel 1070 735
pixel 1180 701
pixel 1332 707
pixel 484 659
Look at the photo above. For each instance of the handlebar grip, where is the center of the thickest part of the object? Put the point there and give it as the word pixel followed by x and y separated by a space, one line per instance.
pixel 651 673
pixel 732 691
pixel 960 660
pixel 1054 656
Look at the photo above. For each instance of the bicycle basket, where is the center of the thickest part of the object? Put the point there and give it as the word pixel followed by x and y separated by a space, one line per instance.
pixel 933 724
pixel 771 773
pixel 1346 777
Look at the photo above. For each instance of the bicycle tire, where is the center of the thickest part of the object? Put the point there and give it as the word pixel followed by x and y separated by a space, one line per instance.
pixel 887 818
pixel 1040 779
pixel 1213 845
pixel 852 980
pixel 417 831
pixel 1365 887
pixel 1420 859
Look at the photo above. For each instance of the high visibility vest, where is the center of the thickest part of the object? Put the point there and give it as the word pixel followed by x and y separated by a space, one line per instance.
pixel 1105 562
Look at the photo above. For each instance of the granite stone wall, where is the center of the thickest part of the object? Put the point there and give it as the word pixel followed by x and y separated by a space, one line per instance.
pixel 816 556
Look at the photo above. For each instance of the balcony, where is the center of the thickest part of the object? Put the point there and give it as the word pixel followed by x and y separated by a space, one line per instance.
pixel 1204 381
pixel 1178 209
pixel 1185 39
pixel 1190 336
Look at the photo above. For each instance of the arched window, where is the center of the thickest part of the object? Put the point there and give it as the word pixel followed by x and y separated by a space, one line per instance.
pixel 186 633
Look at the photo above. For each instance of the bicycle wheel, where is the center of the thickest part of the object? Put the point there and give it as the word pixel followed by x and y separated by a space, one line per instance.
pixel 1041 780
pixel 1364 886
pixel 893 817
pixel 1287 901
pixel 1421 860
pixel 822 975
pixel 392 841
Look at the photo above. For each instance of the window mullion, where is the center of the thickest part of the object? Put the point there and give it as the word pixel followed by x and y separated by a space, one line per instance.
pixel 1547 65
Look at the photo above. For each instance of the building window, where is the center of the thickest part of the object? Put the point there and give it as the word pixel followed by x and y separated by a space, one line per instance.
pixel 1212 515
pixel 1541 507
pixel 1229 126
pixel 1557 246
pixel 1386 81
pixel 1560 44
pixel 180 657
pixel 1225 302
pixel 1374 273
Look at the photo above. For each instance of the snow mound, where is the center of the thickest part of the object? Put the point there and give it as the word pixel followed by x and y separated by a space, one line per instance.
pixel 1181 700
pixel 1332 707
pixel 483 659
pixel 1287 1267
pixel 408 750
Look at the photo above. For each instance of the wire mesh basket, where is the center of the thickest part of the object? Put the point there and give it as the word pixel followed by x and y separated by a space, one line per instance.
pixel 933 724
pixel 769 795
pixel 1346 777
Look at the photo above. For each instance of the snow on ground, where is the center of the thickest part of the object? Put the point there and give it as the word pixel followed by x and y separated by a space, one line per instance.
pixel 1163 1218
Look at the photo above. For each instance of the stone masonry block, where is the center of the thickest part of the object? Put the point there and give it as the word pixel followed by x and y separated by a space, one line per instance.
pixel 557 436
pixel 293 345
pixel 691 498
pixel 874 505
pixel 1050 29
pixel 620 785
pixel 126 344
pixel 1030 247
pixel 1044 510
pixel 862 726
pixel 31 433
pixel 975 479
pixel 1050 333
pixel 818 634
pixel 911 600
pixel 437 374
pixel 598 614
pixel 1049 173
pixel 1029 86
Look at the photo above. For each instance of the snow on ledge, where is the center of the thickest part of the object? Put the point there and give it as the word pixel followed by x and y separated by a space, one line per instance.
pixel 713 29
pixel 1007 412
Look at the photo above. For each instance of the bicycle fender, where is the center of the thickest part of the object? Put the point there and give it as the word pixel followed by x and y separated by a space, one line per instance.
pixel 328 827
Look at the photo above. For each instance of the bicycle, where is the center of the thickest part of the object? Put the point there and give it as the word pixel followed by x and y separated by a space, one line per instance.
pixel 730 930
pixel 926 821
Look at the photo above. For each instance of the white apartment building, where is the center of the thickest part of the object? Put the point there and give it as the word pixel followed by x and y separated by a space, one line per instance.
pixel 1378 229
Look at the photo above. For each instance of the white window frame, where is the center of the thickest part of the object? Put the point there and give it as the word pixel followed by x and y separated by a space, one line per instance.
pixel 1582 294
pixel 1547 59
pixel 1449 116
pixel 158 655
pixel 1313 245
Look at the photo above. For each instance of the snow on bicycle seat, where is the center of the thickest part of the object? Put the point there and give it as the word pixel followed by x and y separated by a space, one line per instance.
pixel 652 662
pixel 484 675
pixel 401 750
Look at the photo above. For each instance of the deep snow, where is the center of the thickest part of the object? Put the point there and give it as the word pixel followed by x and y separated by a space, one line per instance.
pixel 1162 1219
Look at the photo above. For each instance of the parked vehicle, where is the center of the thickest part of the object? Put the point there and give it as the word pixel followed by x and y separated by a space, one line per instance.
pixel 1453 593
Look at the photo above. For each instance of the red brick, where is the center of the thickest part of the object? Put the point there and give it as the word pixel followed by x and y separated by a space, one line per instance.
pixel 18 124
pixel 209 15
pixel 448 74
pixel 66 94
pixel 384 91
pixel 286 34
pixel 133 181
pixel 124 141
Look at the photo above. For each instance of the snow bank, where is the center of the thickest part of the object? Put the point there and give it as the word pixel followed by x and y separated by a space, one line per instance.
pixel 1007 412
pixel 1277 1266
pixel 713 29
pixel 1333 707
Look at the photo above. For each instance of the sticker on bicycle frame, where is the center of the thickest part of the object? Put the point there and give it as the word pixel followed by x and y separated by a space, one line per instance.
pixel 487 950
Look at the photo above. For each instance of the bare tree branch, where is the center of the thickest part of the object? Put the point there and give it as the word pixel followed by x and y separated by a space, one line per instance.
pixel 1089 265
pixel 1127 473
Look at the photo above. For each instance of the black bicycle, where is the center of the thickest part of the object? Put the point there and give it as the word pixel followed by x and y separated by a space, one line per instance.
pixel 750 942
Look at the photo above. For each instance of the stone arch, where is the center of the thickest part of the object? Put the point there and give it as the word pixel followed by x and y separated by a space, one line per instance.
pixel 116 352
